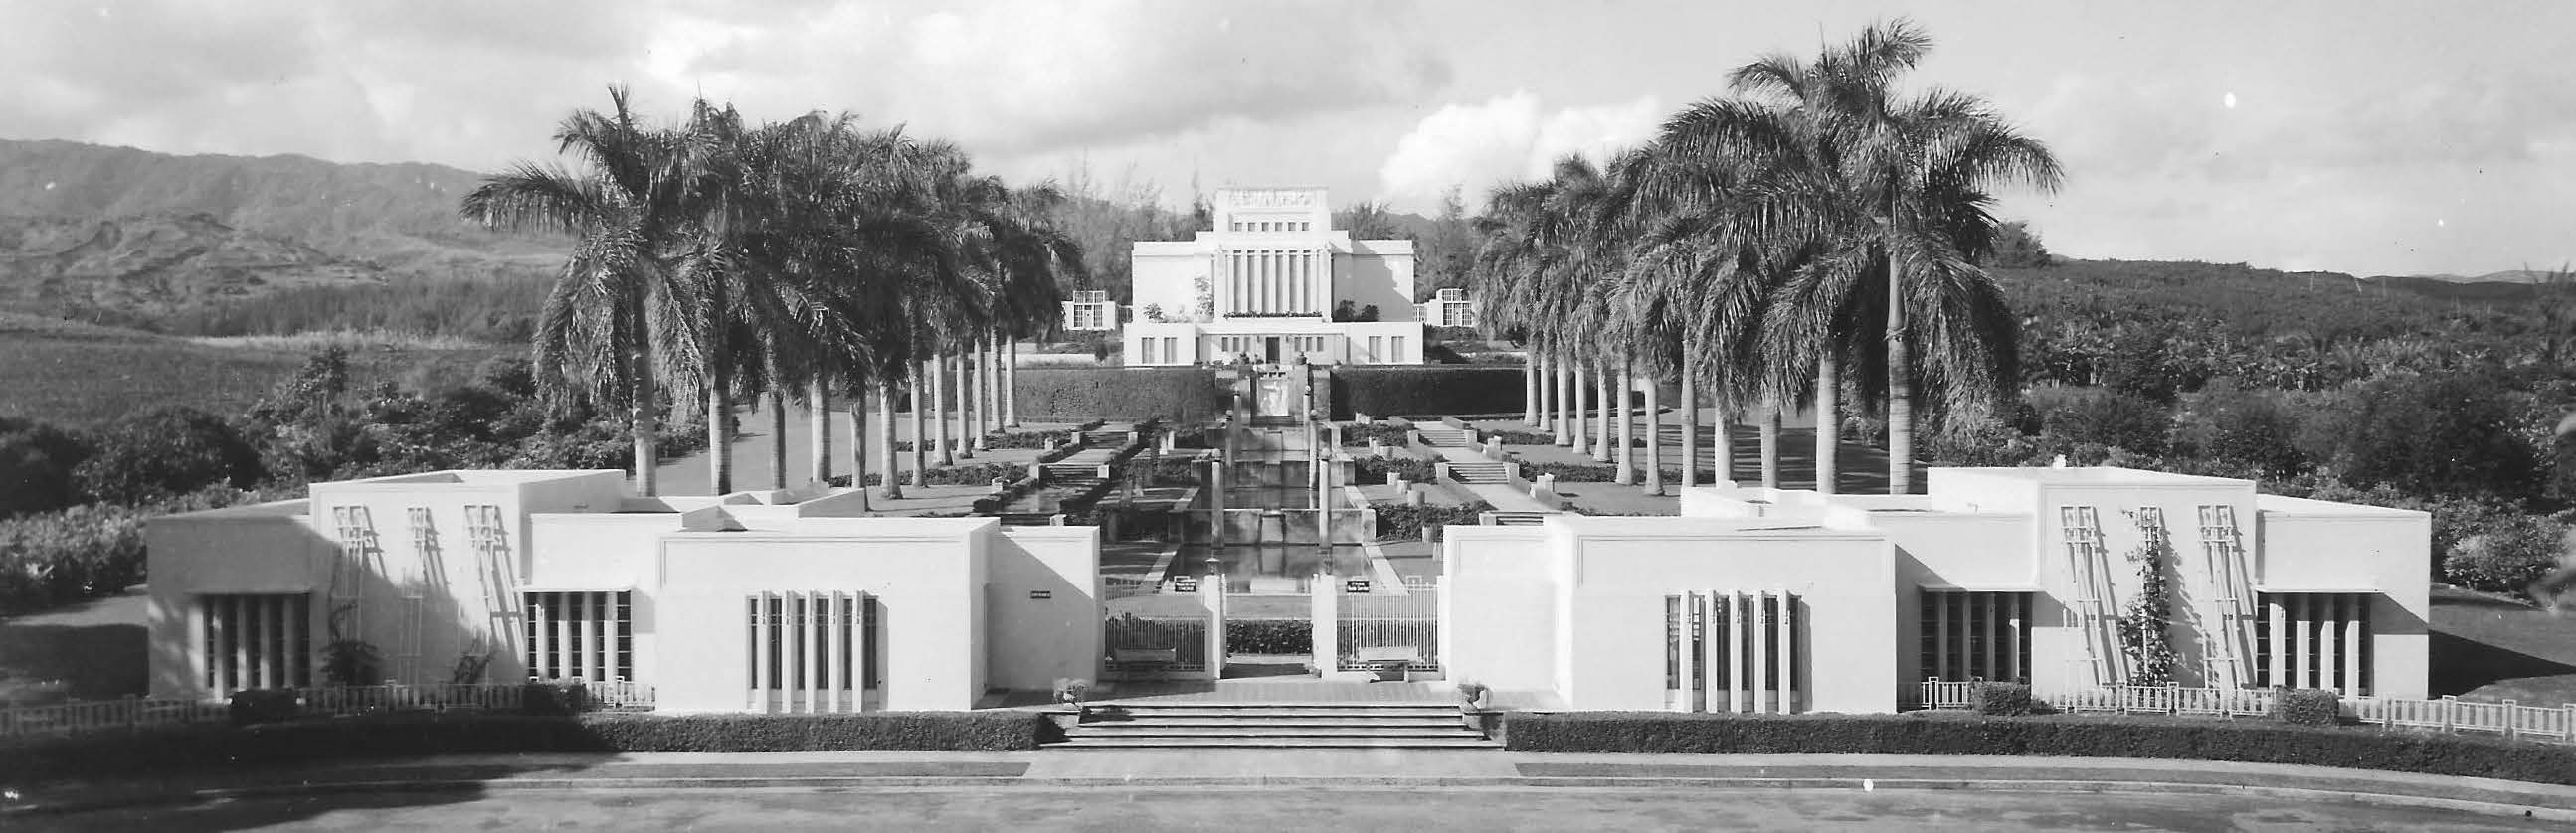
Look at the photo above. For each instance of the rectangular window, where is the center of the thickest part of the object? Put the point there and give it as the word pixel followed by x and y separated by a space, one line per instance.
pixel 1172 349
pixel 1974 636
pixel 2313 640
pixel 257 640
pixel 1734 652
pixel 1145 351
pixel 1395 353
pixel 811 651
pixel 1376 347
pixel 580 635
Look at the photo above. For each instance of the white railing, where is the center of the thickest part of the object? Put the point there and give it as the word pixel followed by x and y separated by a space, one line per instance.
pixel 2448 714
pixel 139 712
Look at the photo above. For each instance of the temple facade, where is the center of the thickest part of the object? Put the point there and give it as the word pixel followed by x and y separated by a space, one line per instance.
pixel 1272 283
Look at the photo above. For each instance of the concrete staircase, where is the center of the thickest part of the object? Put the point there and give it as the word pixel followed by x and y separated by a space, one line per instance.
pixel 1072 475
pixel 1499 473
pixel 1297 726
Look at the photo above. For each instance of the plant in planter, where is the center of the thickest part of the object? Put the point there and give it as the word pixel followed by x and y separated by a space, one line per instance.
pixel 1070 694
pixel 1471 694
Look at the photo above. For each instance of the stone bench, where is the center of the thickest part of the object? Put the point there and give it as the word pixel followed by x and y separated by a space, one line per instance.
pixel 1154 663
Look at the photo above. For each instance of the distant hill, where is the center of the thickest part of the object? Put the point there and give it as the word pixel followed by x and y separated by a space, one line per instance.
pixel 2240 299
pixel 116 269
pixel 189 228
pixel 2521 276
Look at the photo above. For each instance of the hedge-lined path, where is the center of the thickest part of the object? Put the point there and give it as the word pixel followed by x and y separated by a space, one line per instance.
pixel 1295 789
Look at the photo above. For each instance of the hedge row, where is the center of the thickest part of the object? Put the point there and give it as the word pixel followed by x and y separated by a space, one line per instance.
pixel 1396 521
pixel 2080 736
pixel 181 748
pixel 1372 470
pixel 1180 395
pixel 1270 636
pixel 1426 390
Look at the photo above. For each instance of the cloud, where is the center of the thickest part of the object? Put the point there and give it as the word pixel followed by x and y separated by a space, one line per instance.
pixel 1507 137
pixel 477 84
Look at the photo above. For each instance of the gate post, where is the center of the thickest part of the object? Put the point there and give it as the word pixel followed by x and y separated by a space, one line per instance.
pixel 1326 613
pixel 1212 595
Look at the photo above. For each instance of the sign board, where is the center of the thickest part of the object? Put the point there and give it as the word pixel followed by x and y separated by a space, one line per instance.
pixel 1355 585
pixel 1185 584
pixel 1041 595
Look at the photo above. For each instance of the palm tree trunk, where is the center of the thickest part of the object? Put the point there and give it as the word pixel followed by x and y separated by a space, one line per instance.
pixel 1011 386
pixel 1690 422
pixel 967 442
pixel 991 369
pixel 777 405
pixel 643 409
pixel 920 434
pixel 1529 388
pixel 1900 394
pixel 939 409
pixel 1828 425
pixel 719 428
pixel 1771 443
pixel 1627 440
pixel 1577 419
pixel 1601 378
pixel 1721 444
pixel 1654 435
pixel 1564 421
pixel 820 395
pixel 885 439
pixel 859 451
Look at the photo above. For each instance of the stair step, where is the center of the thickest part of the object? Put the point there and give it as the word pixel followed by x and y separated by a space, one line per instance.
pixel 1267 731
pixel 1461 742
pixel 1394 721
pixel 1276 710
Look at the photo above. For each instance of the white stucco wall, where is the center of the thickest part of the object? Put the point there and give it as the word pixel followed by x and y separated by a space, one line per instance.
pixel 1500 625
pixel 1037 641
pixel 2313 546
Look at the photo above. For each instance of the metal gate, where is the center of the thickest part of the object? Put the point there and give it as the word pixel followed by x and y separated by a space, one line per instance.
pixel 1389 617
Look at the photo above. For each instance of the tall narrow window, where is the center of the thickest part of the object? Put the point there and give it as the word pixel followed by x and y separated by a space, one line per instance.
pixel 2314 640
pixel 1975 636
pixel 1396 353
pixel 257 640
pixel 811 651
pixel 1734 652
pixel 1376 348
pixel 580 635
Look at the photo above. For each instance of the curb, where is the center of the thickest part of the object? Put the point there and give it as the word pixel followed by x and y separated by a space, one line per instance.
pixel 2500 808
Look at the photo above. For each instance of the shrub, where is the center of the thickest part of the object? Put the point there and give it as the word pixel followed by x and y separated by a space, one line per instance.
pixel 557 698
pixel 1523 437
pixel 1396 521
pixel 263 705
pixel 1181 395
pixel 2507 554
pixel 167 451
pixel 1570 472
pixel 1270 636
pixel 2088 736
pixel 37 462
pixel 1373 470
pixel 1432 389
pixel 2001 698
pixel 2308 707
pixel 203 747
pixel 1360 433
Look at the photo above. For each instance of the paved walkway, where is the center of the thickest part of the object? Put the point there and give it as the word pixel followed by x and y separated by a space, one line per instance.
pixel 1316 769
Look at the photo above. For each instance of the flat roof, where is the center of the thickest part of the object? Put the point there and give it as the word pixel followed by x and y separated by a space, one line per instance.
pixel 2094 476
pixel 289 508
pixel 473 477
pixel 2281 505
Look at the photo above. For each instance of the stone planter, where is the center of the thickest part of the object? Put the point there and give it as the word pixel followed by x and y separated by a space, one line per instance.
pixel 1485 722
pixel 1065 718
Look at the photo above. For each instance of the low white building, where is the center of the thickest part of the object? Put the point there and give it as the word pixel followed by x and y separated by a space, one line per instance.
pixel 1752 600
pixel 756 601
pixel 1269 283
pixel 1794 601
pixel 1449 308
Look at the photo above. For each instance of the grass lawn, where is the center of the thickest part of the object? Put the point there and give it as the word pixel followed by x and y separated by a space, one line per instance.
pixel 92 651
pixel 2494 648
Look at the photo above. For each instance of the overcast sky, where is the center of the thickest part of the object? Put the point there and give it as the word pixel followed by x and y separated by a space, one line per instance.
pixel 2369 137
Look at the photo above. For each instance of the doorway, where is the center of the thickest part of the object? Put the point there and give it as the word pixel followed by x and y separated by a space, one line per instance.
pixel 1270 349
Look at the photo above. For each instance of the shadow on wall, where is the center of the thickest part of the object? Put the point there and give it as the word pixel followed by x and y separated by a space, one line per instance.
pixel 2460 665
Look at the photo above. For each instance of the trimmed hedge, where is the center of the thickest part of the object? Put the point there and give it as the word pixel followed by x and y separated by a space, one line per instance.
pixel 1372 470
pixel 1428 389
pixel 2002 698
pixel 1270 636
pixel 2308 706
pixel 182 748
pixel 2078 736
pixel 1396 521
pixel 1180 395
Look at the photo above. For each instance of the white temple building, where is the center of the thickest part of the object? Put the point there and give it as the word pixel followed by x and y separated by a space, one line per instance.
pixel 1273 282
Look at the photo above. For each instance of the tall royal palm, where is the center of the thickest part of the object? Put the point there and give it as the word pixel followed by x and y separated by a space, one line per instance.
pixel 630 211
pixel 1888 194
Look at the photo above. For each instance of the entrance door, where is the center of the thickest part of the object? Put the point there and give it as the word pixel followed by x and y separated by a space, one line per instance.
pixel 1270 349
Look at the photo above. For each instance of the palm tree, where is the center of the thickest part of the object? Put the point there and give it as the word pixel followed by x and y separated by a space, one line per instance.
pixel 1893 192
pixel 630 212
